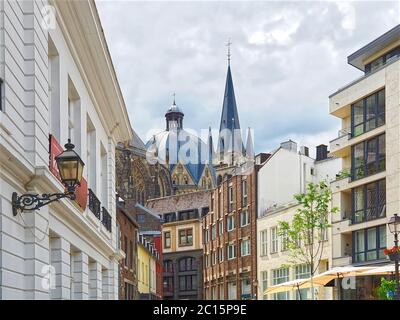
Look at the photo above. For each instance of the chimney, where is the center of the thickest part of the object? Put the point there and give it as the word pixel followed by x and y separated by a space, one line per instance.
pixel 322 152
pixel 304 151
pixel 289 145
pixel 262 157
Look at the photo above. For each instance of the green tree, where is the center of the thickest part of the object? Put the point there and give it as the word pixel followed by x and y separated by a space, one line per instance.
pixel 304 235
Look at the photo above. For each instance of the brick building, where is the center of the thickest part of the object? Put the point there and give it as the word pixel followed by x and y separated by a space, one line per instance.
pixel 182 243
pixel 229 233
pixel 127 232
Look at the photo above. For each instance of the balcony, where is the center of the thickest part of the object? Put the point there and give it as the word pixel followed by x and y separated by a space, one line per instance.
pixel 106 219
pixel 94 204
pixel 342 181
pixel 343 225
pixel 342 261
pixel 340 146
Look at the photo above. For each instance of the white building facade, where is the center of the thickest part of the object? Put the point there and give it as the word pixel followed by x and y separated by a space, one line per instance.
pixel 58 83
pixel 284 174
pixel 367 192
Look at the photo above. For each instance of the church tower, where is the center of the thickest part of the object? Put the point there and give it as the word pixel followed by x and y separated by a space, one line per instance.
pixel 174 117
pixel 230 148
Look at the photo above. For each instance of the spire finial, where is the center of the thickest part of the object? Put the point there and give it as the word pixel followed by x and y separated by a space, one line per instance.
pixel 174 94
pixel 229 51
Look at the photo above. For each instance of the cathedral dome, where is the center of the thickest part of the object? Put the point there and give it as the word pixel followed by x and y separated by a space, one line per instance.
pixel 188 158
pixel 174 108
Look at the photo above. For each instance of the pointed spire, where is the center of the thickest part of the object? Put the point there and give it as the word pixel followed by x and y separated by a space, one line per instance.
pixel 249 146
pixel 229 116
pixel 210 143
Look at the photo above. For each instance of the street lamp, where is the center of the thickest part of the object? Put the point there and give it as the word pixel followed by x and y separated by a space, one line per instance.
pixel 394 227
pixel 70 167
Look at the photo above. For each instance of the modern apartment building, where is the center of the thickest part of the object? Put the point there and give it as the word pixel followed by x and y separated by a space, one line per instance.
pixel 284 174
pixel 182 246
pixel 368 190
pixel 54 68
pixel 230 259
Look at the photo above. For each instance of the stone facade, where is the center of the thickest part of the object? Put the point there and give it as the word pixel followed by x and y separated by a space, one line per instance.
pixel 137 179
pixel 51 92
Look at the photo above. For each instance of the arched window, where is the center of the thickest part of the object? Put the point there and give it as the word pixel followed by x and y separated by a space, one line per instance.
pixel 187 264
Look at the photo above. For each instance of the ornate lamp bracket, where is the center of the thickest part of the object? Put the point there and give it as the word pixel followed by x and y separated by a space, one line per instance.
pixel 31 202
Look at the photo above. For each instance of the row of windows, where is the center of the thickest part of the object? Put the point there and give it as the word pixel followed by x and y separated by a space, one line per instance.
pixel 230 197
pixel 244 194
pixel 217 229
pixel 185 238
pixel 281 275
pixel 186 283
pixel 217 256
pixel 232 288
pixel 96 163
pixel 275 239
pixel 184 264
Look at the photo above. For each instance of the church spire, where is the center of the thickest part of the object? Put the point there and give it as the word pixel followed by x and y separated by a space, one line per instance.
pixel 229 117
pixel 249 146
pixel 210 144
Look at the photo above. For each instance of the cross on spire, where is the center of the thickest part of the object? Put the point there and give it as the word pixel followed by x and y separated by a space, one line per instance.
pixel 229 50
pixel 174 94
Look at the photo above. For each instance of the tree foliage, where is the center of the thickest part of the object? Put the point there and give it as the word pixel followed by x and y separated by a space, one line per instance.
pixel 304 235
pixel 387 289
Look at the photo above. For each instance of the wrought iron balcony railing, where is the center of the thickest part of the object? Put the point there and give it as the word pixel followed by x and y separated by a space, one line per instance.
pixel 106 219
pixel 94 204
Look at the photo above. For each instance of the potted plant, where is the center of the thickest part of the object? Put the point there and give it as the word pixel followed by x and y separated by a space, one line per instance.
pixel 387 289
pixel 393 253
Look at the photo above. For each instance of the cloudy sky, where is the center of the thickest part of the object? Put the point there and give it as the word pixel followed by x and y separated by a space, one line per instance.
pixel 287 58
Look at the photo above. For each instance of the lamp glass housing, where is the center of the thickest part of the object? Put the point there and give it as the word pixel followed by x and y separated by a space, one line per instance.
pixel 70 167
pixel 394 224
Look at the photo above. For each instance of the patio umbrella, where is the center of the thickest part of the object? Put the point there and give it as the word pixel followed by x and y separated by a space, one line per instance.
pixel 337 273
pixel 286 286
pixel 388 269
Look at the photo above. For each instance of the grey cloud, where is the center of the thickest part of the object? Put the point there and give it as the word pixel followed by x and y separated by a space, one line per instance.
pixel 287 57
